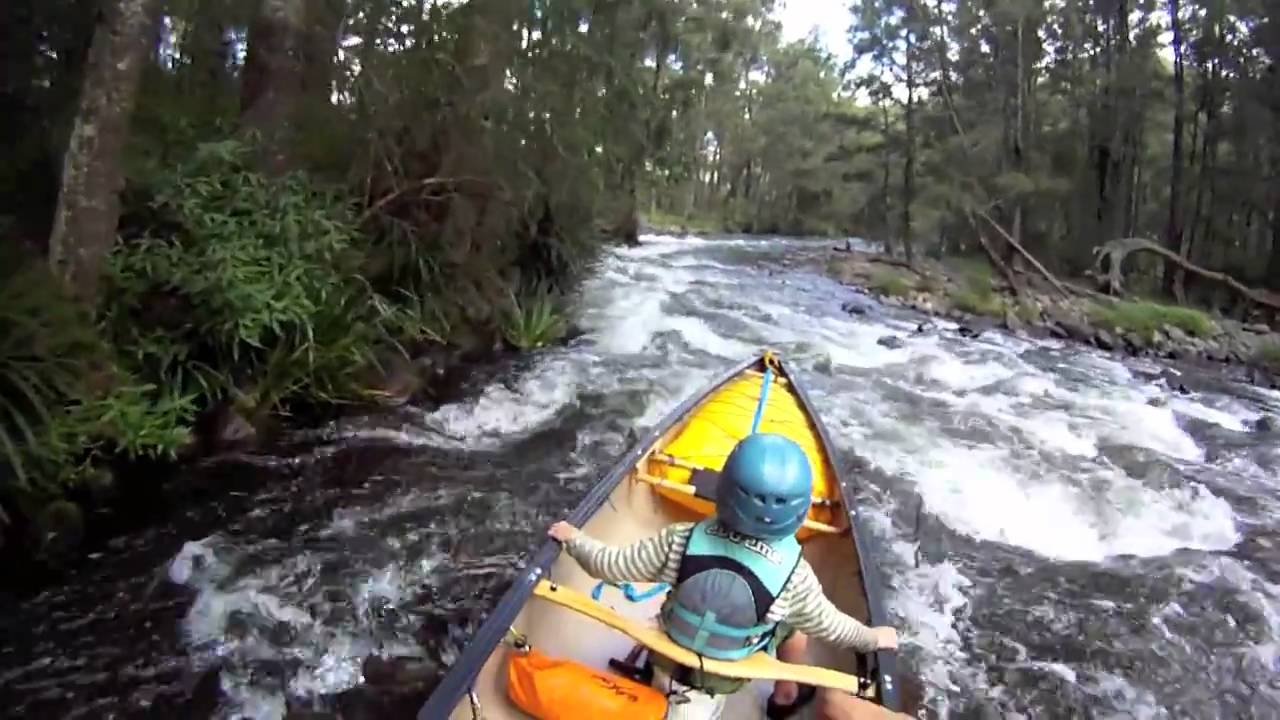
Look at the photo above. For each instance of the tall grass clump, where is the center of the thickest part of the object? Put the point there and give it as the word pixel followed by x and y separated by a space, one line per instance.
pixel 533 318
pixel 888 282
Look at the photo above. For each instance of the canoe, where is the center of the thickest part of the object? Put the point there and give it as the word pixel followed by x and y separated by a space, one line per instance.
pixel 555 616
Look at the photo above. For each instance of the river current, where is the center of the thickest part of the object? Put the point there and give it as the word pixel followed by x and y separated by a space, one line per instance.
pixel 1062 533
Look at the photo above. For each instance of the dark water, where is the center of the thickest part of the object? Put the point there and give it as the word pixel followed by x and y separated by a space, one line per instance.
pixel 1056 544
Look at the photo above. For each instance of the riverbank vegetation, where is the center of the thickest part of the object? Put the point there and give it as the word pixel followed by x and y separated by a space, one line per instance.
pixel 222 211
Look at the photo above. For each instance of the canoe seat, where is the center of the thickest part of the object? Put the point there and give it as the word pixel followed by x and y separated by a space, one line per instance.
pixel 707 485
pixel 760 666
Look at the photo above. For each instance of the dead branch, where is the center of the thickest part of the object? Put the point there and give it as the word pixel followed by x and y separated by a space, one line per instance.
pixel 1014 280
pixel 1023 251
pixel 1114 253
pixel 421 185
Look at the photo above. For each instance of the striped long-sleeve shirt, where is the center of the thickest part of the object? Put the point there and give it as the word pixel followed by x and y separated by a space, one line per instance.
pixel 802 604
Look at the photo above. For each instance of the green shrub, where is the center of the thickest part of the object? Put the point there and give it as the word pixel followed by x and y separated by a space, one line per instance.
pixel 1028 311
pixel 243 283
pixel 1145 318
pixel 977 295
pixel 888 282
pixel 534 320
pixel 65 405
pixel 977 302
pixel 975 271
pixel 47 351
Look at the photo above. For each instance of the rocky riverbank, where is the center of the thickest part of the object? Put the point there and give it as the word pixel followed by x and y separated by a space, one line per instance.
pixel 966 292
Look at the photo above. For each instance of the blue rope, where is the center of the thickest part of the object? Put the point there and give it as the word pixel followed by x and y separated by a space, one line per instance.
pixel 764 397
pixel 630 591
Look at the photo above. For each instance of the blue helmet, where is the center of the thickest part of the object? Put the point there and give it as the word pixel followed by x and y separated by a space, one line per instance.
pixel 765 487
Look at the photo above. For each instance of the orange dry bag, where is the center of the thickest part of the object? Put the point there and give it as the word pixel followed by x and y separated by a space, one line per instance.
pixel 555 689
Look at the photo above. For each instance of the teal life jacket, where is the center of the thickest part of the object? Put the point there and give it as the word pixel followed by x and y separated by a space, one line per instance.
pixel 725 586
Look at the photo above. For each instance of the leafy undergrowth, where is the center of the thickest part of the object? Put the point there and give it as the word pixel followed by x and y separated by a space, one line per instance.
pixel 891 283
pixel 67 403
pixel 1145 318
pixel 977 295
pixel 978 301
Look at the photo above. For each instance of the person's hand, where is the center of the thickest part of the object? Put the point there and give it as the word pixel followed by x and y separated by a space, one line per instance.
pixel 886 638
pixel 563 531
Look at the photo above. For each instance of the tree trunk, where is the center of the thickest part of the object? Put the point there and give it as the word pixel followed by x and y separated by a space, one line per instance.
pixel 909 166
pixel 884 180
pixel 88 209
pixel 1273 267
pixel 1018 156
pixel 319 49
pixel 1173 225
pixel 273 79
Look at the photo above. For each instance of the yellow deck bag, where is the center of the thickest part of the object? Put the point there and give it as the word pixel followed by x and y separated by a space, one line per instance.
pixel 550 688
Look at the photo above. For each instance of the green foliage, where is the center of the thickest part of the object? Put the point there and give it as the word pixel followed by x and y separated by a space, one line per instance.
pixel 1028 311
pixel 1146 318
pixel 976 271
pixel 64 404
pixel 47 349
pixel 533 320
pixel 892 283
pixel 977 294
pixel 672 222
pixel 975 301
pixel 133 420
pixel 244 283
pixel 418 317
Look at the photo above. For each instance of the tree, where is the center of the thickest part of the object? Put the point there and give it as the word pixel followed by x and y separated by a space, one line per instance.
pixel 88 208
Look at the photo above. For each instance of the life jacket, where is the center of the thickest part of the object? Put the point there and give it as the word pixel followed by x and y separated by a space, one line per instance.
pixel 725 586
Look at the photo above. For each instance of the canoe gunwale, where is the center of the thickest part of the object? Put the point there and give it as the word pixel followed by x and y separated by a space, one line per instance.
pixel 460 678
pixel 886 667
pixel 458 681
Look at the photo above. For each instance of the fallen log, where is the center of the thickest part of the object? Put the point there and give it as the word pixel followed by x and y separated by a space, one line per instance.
pixel 1113 254
pixel 1057 285
pixel 1014 280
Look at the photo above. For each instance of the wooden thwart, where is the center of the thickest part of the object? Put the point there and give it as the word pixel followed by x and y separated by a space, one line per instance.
pixel 687 489
pixel 760 666
pixel 693 467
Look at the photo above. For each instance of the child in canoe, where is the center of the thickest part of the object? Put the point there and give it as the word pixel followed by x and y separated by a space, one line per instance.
pixel 739 583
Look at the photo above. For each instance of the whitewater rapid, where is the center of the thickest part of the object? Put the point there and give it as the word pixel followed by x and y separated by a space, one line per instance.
pixel 1060 531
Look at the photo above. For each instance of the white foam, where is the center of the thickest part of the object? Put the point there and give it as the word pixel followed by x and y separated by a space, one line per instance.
pixel 500 415
pixel 1124 417
pixel 328 658
pixel 987 493
pixel 1236 417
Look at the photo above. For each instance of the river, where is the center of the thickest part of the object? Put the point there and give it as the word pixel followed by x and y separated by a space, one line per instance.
pixel 1063 535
